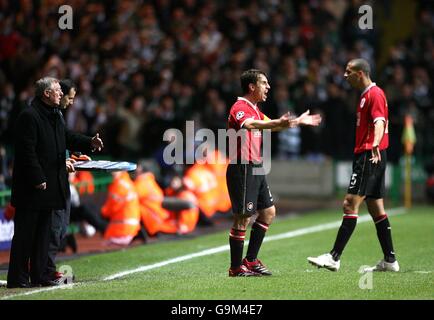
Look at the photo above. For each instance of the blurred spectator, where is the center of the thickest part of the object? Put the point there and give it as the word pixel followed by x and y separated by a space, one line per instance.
pixel 311 137
pixel 339 124
pixel 289 140
pixel 173 61
pixel 214 115
pixel 132 122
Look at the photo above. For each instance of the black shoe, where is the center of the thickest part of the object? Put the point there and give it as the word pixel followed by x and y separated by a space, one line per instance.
pixel 50 283
pixel 18 285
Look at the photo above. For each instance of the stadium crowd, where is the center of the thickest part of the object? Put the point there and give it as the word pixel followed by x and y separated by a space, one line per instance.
pixel 142 67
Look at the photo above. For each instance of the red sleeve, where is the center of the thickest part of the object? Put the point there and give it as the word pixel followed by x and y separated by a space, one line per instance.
pixel 240 113
pixel 378 106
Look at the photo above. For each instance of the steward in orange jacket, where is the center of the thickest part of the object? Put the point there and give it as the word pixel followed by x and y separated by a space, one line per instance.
pixel 83 180
pixel 200 180
pixel 154 217
pixel 187 218
pixel 218 164
pixel 122 209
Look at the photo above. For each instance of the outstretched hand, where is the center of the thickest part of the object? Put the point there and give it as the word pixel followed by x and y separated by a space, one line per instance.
pixel 287 120
pixel 308 120
pixel 96 143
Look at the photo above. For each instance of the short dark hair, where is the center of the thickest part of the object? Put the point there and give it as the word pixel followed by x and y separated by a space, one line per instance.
pixel 66 85
pixel 248 77
pixel 361 65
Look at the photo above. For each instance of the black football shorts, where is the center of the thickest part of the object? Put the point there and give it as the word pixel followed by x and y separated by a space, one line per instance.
pixel 248 192
pixel 368 179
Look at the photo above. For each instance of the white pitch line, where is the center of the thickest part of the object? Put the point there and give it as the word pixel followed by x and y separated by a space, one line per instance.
pixel 167 262
pixel 66 286
pixel 286 235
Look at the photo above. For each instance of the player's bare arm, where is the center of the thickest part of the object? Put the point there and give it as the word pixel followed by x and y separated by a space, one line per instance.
pixel 284 122
pixel 379 128
pixel 273 124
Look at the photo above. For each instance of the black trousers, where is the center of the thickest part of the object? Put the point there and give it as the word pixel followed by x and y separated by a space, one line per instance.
pixel 29 250
pixel 59 225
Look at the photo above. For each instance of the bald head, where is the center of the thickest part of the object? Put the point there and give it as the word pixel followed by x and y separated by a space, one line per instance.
pixel 357 73
pixel 361 65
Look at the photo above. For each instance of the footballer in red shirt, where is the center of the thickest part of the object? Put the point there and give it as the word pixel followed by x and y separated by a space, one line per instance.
pixel 249 192
pixel 372 107
pixel 369 167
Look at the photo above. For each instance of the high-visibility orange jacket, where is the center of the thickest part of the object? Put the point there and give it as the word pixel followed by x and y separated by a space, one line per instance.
pixel 218 165
pixel 84 182
pixel 154 217
pixel 122 208
pixel 188 218
pixel 200 180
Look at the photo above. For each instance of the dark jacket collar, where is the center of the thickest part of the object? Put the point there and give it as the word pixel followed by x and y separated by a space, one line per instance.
pixel 44 108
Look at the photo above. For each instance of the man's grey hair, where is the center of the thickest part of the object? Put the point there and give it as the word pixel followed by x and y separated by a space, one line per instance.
pixel 361 65
pixel 44 84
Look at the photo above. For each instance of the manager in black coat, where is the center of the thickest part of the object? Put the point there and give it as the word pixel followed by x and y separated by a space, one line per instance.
pixel 40 180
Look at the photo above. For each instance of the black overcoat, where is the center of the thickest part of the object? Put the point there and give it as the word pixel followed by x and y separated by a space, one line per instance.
pixel 41 140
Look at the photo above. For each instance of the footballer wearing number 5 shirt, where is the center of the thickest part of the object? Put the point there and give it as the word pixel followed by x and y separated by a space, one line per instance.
pixel 369 166
pixel 249 191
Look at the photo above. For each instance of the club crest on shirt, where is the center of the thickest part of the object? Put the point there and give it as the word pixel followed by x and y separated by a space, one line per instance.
pixel 250 206
pixel 362 103
pixel 240 114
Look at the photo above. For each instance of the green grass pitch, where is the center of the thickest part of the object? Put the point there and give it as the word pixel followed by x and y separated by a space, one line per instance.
pixel 205 277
